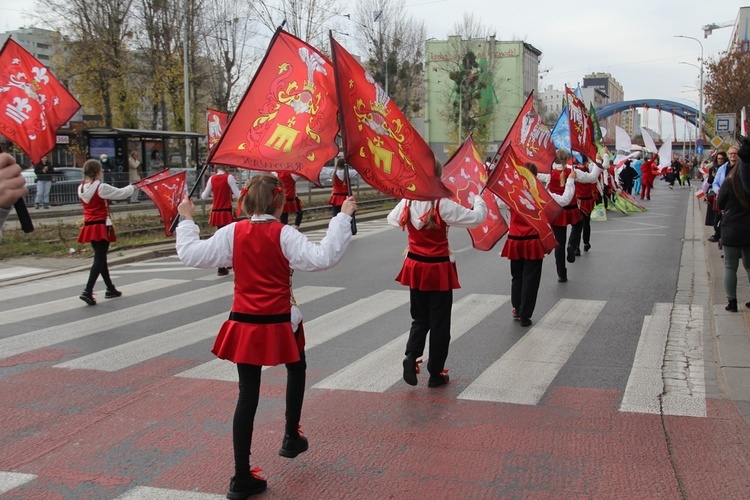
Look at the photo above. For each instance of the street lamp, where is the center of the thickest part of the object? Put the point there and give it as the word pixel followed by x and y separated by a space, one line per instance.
pixel 700 90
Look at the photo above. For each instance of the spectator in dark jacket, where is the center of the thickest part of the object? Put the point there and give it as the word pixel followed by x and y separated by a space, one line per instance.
pixel 627 177
pixel 734 202
pixel 44 172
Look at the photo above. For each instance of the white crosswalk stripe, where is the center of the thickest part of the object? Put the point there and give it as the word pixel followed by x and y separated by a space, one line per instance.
pixel 146 493
pixel 12 480
pixel 363 230
pixel 523 374
pixel 19 272
pixel 46 285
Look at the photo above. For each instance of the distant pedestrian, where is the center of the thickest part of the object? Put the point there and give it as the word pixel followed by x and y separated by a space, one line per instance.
pixel 134 166
pixel 292 204
pixel 265 326
pixel 431 276
pixel 627 177
pixel 97 226
pixel 222 187
pixel 44 175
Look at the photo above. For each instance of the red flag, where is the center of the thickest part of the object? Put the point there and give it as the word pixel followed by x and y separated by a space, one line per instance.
pixel 581 126
pixel 465 175
pixel 531 138
pixel 379 142
pixel 216 123
pixel 286 121
pixel 152 178
pixel 34 105
pixel 524 194
pixel 166 191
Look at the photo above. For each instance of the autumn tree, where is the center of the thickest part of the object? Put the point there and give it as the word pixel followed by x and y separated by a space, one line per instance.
pixel 726 89
pixel 308 20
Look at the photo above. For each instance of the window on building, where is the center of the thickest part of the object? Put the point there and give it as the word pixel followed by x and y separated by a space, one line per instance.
pixel 42 57
pixel 42 45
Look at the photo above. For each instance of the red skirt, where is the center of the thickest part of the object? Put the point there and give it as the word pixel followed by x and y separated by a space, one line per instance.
pixel 429 276
pixel 586 205
pixel 263 345
pixel 570 216
pixel 292 206
pixel 221 217
pixel 337 200
pixel 531 249
pixel 97 232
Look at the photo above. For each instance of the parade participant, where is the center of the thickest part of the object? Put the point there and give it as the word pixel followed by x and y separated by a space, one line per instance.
pixel 292 204
pixel 571 214
pixel 586 187
pixel 340 190
pixel 265 326
pixel 12 186
pixel 526 253
pixel 734 202
pixel 97 229
pixel 431 276
pixel 649 170
pixel 627 177
pixel 223 188
pixel 637 164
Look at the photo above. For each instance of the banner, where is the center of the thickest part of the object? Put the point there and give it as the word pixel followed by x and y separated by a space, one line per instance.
pixel 580 126
pixel 531 138
pixel 379 142
pixel 287 119
pixel 216 123
pixel 33 104
pixel 465 175
pixel 167 192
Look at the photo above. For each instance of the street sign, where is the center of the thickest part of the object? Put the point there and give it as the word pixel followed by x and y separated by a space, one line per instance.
pixel 717 141
pixel 699 150
pixel 725 123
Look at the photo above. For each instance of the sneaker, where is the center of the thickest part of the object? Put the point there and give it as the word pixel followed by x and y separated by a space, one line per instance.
pixel 571 254
pixel 732 305
pixel 525 322
pixel 241 488
pixel 562 279
pixel 438 380
pixel 713 238
pixel 516 315
pixel 411 368
pixel 36 205
pixel 223 271
pixel 88 297
pixel 586 247
pixel 293 446
pixel 112 293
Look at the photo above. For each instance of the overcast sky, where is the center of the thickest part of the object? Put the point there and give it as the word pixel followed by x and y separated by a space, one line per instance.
pixel 631 39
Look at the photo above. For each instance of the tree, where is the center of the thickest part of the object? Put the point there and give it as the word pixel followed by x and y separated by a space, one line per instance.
pixel 726 89
pixel 394 46
pixel 466 110
pixel 308 20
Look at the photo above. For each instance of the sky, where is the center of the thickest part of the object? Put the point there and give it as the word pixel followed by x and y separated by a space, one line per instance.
pixel 633 40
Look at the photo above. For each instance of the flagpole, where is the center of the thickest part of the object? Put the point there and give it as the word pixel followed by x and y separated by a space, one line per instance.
pixel 22 211
pixel 190 195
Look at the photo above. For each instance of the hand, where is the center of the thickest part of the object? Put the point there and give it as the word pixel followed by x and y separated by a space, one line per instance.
pixel 186 208
pixel 744 152
pixel 349 207
pixel 12 183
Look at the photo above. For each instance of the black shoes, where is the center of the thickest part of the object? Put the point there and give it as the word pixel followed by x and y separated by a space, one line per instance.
pixel 88 297
pixel 438 380
pixel 242 488
pixel 36 205
pixel 571 254
pixel 411 368
pixel 525 322
pixel 586 247
pixel 578 252
pixel 562 279
pixel 713 238
pixel 223 271
pixel 293 446
pixel 112 293
pixel 732 306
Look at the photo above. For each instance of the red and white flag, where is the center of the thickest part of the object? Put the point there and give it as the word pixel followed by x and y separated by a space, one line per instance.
pixel 581 127
pixel 531 138
pixel 166 191
pixel 216 123
pixel 33 104
pixel 379 142
pixel 287 119
pixel 465 175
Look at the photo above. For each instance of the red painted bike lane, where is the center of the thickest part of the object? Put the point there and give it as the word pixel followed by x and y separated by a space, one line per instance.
pixel 85 434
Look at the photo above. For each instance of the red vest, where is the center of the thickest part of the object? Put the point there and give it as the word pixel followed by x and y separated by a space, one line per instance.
pixel 571 214
pixel 95 214
pixel 340 192
pixel 221 207
pixel 585 194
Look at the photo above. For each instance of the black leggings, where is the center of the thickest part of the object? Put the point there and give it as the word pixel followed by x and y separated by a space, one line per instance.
pixel 247 404
pixel 99 266
pixel 297 218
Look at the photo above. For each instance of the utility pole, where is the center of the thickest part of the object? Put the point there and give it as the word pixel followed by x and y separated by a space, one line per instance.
pixel 700 92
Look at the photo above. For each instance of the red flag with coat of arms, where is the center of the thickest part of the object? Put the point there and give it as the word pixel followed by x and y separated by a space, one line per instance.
pixel 287 119
pixel 581 127
pixel 33 104
pixel 524 194
pixel 216 123
pixel 379 142
pixel 465 175
pixel 166 191
pixel 531 138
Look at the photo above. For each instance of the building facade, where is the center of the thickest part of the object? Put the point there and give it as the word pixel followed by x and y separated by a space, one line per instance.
pixel 511 71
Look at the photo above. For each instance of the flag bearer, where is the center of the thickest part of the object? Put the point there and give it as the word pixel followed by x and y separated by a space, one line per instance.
pixel 223 188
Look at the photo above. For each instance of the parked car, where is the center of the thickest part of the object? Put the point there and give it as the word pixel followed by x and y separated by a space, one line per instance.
pixel 30 176
pixel 64 188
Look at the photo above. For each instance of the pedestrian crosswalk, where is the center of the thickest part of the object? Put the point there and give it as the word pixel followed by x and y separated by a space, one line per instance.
pixel 521 375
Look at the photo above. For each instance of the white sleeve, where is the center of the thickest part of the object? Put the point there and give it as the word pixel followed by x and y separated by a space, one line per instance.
pixel 303 255
pixel 395 215
pixel 544 179
pixel 112 193
pixel 216 251
pixel 233 187
pixel 589 177
pixel 456 215
pixel 208 191
pixel 567 196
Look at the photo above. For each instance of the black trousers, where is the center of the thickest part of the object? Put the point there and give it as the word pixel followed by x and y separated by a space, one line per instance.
pixel 580 229
pixel 99 267
pixel 297 218
pixel 247 404
pixel 561 233
pixel 524 285
pixel 430 312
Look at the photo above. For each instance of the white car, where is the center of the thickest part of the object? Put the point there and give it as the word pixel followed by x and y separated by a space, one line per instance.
pixel 30 176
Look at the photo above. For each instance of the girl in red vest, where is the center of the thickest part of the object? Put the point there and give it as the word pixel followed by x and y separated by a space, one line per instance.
pixel 431 276
pixel 265 326
pixel 339 191
pixel 292 204
pixel 223 188
pixel 526 252
pixel 97 226
pixel 586 189
pixel 649 170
